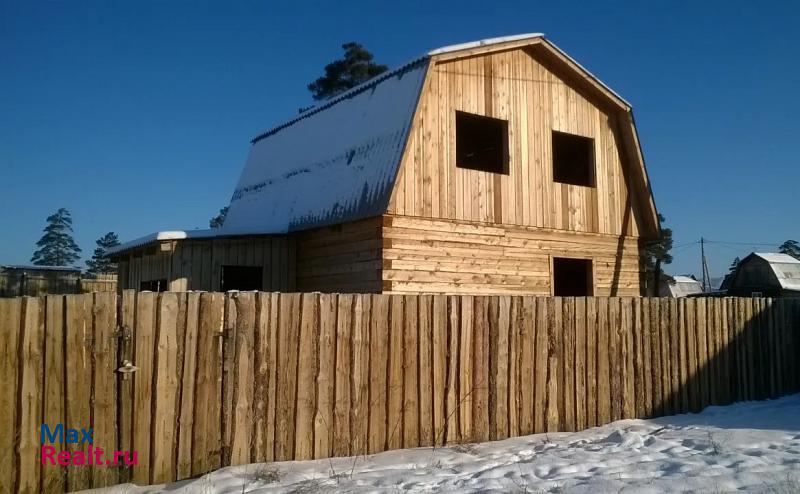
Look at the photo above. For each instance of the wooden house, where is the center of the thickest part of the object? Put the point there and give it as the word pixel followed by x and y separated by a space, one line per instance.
pixel 498 166
pixel 766 275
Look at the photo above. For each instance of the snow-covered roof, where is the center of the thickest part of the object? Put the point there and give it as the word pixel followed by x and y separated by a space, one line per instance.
pixel 785 267
pixel 333 163
pixel 680 286
pixel 483 42
pixel 337 164
pixel 777 257
pixel 161 236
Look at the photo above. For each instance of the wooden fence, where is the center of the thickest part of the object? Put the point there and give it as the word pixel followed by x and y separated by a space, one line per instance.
pixel 256 377
pixel 18 283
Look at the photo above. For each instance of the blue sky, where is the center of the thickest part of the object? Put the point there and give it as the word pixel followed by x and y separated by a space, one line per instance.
pixel 136 116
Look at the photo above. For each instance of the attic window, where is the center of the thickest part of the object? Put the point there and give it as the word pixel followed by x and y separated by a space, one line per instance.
pixel 481 143
pixel 573 159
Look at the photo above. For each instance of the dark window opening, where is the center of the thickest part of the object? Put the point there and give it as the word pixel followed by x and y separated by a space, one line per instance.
pixel 481 143
pixel 242 278
pixel 153 286
pixel 573 159
pixel 572 277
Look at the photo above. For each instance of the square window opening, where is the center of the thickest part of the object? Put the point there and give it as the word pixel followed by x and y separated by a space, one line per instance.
pixel 573 159
pixel 481 143
pixel 241 278
pixel 572 277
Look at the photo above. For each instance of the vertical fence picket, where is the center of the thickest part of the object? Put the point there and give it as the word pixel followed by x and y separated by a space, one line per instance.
pixel 394 400
pixel 480 366
pixel 378 360
pixel 190 317
pixel 165 390
pixel 440 350
pixel 127 325
pixel 604 352
pixel 616 358
pixel 359 416
pixel 31 394
pixel 553 363
pixel 323 420
pixel 10 333
pixel 410 374
pixel 104 385
pixel 540 366
pixel 527 365
pixel 452 418
pixel 79 378
pixel 306 376
pixel 53 476
pixel 425 366
pixel 286 403
pixel 567 378
pixel 146 327
pixel 206 433
pixel 591 330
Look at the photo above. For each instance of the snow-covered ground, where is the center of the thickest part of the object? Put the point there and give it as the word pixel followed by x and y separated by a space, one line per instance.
pixel 752 447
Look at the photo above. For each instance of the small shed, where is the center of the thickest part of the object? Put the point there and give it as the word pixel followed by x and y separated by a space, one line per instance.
pixel 766 275
pixel 18 281
pixel 679 286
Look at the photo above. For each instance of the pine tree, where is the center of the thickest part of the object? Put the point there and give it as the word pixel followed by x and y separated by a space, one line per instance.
pixel 791 248
pixel 734 265
pixel 99 263
pixel 57 247
pixel 218 220
pixel 657 253
pixel 346 73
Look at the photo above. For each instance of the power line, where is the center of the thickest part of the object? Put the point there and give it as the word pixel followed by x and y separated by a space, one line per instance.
pixel 743 243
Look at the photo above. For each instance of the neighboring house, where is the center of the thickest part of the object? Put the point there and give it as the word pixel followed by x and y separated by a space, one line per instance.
pixel 498 166
pixel 766 275
pixel 17 281
pixel 679 286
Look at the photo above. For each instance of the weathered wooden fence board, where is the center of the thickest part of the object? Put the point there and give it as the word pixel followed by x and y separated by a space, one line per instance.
pixel 256 377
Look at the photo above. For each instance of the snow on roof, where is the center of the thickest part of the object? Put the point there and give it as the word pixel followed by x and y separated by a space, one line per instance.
pixel 679 286
pixel 159 236
pixel 785 267
pixel 337 166
pixel 776 257
pixel 483 42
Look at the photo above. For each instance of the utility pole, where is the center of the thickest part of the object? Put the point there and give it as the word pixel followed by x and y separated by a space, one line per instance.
pixel 704 266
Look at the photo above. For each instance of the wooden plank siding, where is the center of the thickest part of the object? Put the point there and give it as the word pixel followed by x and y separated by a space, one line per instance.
pixel 340 258
pixel 197 264
pixel 442 256
pixel 516 86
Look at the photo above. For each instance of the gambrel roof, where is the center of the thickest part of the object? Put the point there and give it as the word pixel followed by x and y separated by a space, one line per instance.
pixel 784 267
pixel 338 162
